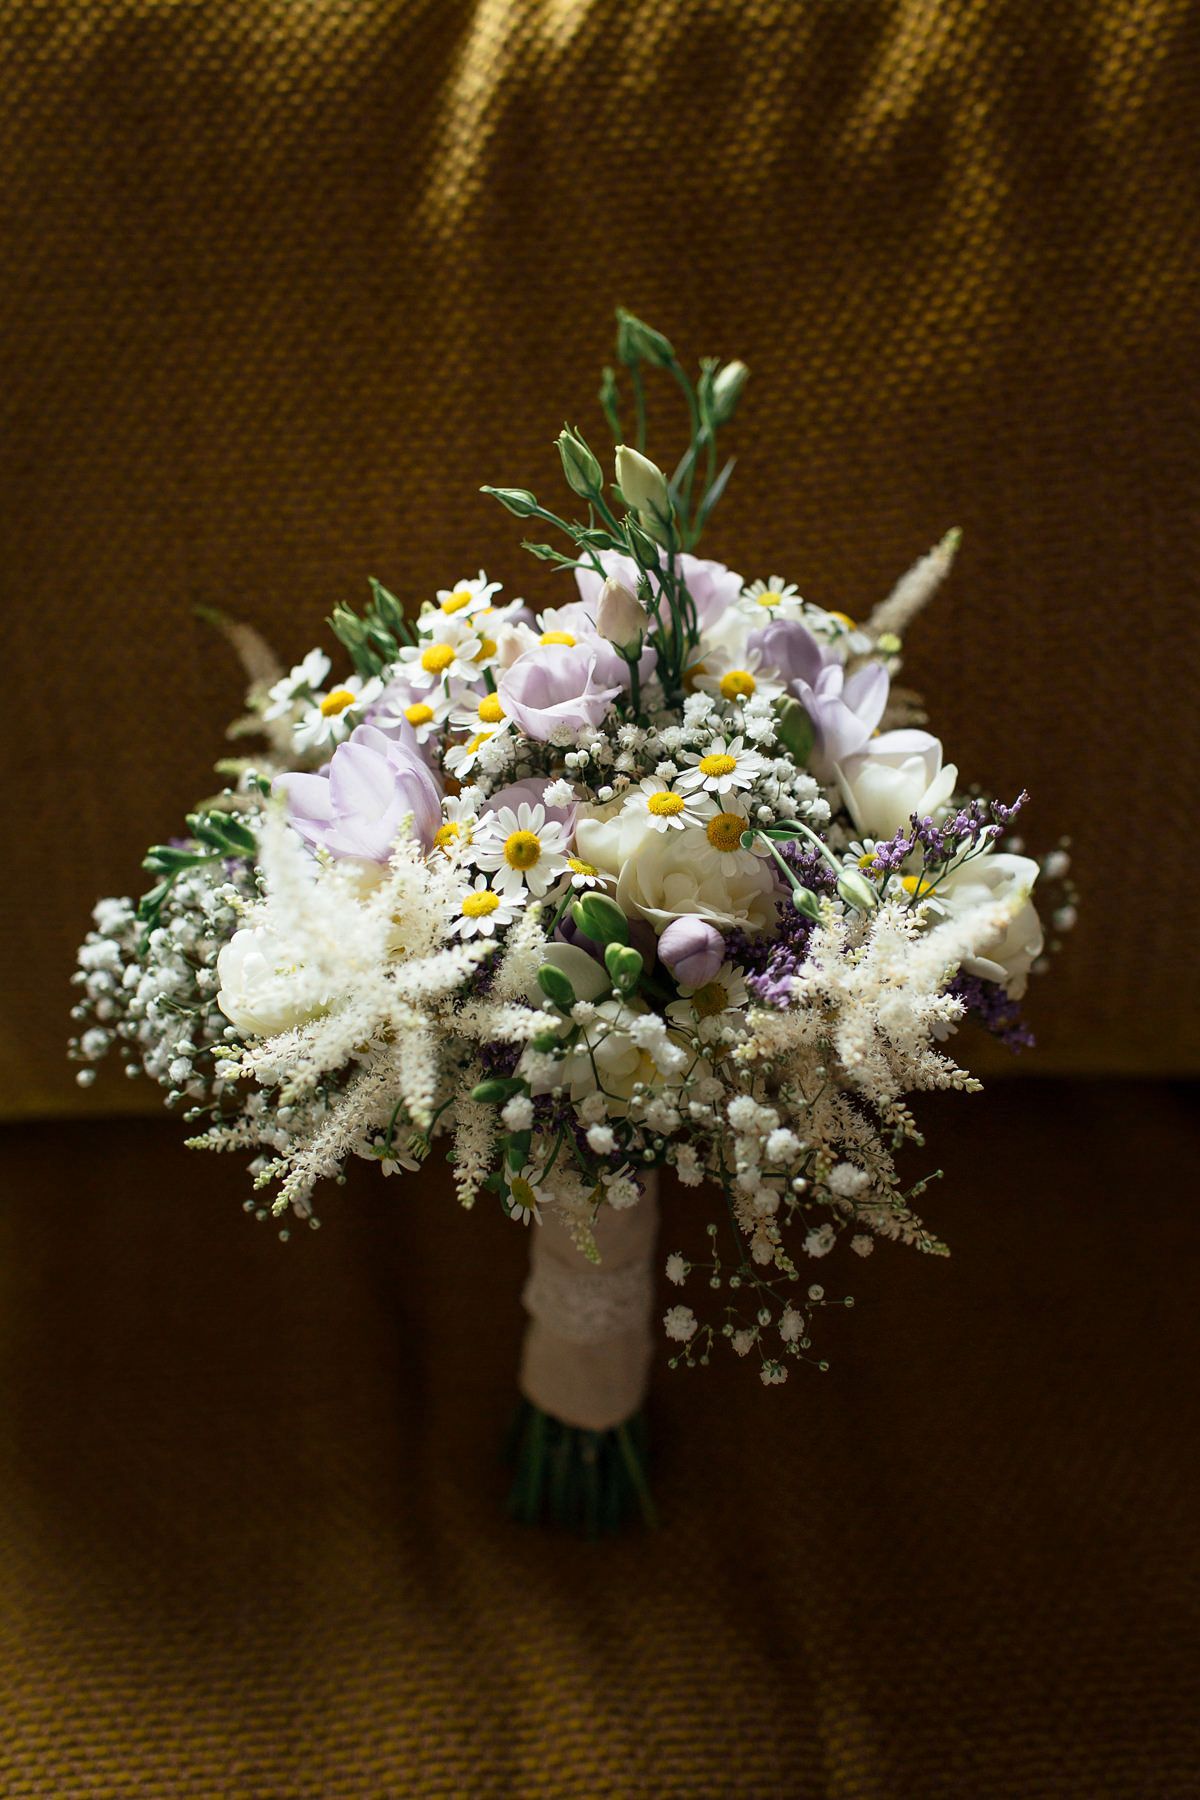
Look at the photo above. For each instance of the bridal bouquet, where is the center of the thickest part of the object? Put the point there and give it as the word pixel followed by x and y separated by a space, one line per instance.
pixel 656 868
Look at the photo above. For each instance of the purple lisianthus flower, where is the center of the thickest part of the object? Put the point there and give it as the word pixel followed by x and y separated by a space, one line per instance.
pixel 578 620
pixel 844 711
pixel 357 804
pixel 693 950
pixel 791 650
pixel 713 587
pixel 552 686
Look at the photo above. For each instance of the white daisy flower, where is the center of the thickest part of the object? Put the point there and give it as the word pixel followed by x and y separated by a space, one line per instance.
pixel 461 759
pixel 734 677
pixel 523 849
pixel 708 1009
pixel 837 630
pixel 484 911
pixel 724 822
pixel 525 1196
pixel 425 715
pixel 583 875
pixel 475 712
pixel 662 807
pixel 463 600
pixel 305 678
pixel 723 765
pixel 453 651
pixel 456 833
pixel 778 597
pixel 337 713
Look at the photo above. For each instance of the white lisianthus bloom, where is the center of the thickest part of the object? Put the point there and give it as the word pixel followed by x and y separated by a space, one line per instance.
pixel 895 775
pixel 665 875
pixel 265 989
pixel 982 881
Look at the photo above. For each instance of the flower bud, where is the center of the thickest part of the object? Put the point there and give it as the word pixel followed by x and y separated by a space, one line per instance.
pixel 639 342
pixel 645 550
pixel 726 390
pixel 857 891
pixel 519 501
pixel 693 950
pixel 620 616
pixel 643 487
pixel 600 919
pixel 584 474
pixel 624 966
pixel 806 902
pixel 795 731
pixel 556 986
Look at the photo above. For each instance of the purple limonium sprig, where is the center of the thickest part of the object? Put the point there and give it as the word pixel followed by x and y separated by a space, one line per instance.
pixel 770 963
pixel 975 826
pixel 996 1012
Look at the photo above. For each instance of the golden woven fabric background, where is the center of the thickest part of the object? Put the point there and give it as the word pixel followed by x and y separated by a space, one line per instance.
pixel 284 284
pixel 251 1533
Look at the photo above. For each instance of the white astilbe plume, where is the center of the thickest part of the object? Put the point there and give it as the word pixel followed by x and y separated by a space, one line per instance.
pixel 474 1144
pixel 914 589
pixel 524 953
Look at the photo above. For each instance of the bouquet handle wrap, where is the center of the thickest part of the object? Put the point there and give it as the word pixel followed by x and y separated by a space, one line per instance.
pixel 589 1343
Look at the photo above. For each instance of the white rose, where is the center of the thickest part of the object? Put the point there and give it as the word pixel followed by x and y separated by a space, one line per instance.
pixel 669 875
pixel 897 774
pixel 981 882
pixel 264 989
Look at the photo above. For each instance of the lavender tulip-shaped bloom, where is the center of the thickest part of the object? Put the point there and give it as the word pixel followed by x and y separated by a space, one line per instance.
pixel 844 711
pixel 693 950
pixel 357 805
pixel 791 650
pixel 555 685
pixel 579 621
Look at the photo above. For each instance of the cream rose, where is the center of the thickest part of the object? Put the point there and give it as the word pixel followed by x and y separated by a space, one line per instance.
pixel 264 989
pixel 665 875
pixel 897 774
pixel 981 882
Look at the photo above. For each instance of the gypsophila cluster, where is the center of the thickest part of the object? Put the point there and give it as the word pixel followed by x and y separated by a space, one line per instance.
pixel 654 867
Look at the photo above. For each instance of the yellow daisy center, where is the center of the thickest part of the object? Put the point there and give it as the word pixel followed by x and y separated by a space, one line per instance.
pixel 437 657
pixel 558 637
pixel 479 904
pixel 337 702
pixel 665 806
pixel 487 647
pixel 523 1195
pixel 692 675
pixel 712 998
pixel 522 849
pixel 481 737
pixel 867 860
pixel 420 714
pixel 725 831
pixel 458 599
pixel 490 710
pixel 911 883
pixel 580 868
pixel 718 764
pixel 771 598
pixel 844 619
pixel 739 684
pixel 446 836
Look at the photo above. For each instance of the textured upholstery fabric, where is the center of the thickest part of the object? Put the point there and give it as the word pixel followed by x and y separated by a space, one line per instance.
pixel 282 285
pixel 251 1539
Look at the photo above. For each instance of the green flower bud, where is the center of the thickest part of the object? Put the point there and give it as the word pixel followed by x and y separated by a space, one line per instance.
pixel 601 919
pixel 806 902
pixel 642 546
pixel 726 391
pixel 556 986
pixel 497 1090
pixel 857 891
pixel 639 342
pixel 584 474
pixel 794 729
pixel 644 488
pixel 624 966
pixel 519 501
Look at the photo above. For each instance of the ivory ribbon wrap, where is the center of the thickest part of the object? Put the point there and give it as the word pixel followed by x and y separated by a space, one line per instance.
pixel 589 1342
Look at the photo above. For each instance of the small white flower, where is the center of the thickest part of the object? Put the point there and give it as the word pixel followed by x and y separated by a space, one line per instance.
pixel 465 599
pixel 559 793
pixel 677 1269
pixel 622 1193
pixel 862 1244
pixel 742 1112
pixel 740 678
pixel 425 716
pixel 453 651
pixel 710 1007
pixel 601 1139
pixel 688 1166
pixel 847 1181
pixel 791 1325
pixel 742 1342
pixel 524 849
pixel 484 911
pixel 517 1113
pixel 680 1323
pixel 820 1241
pixel 305 677
pixel 591 1108
pixel 662 806
pixel 777 597
pixel 525 1197
pixel 335 714
pixel 723 765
